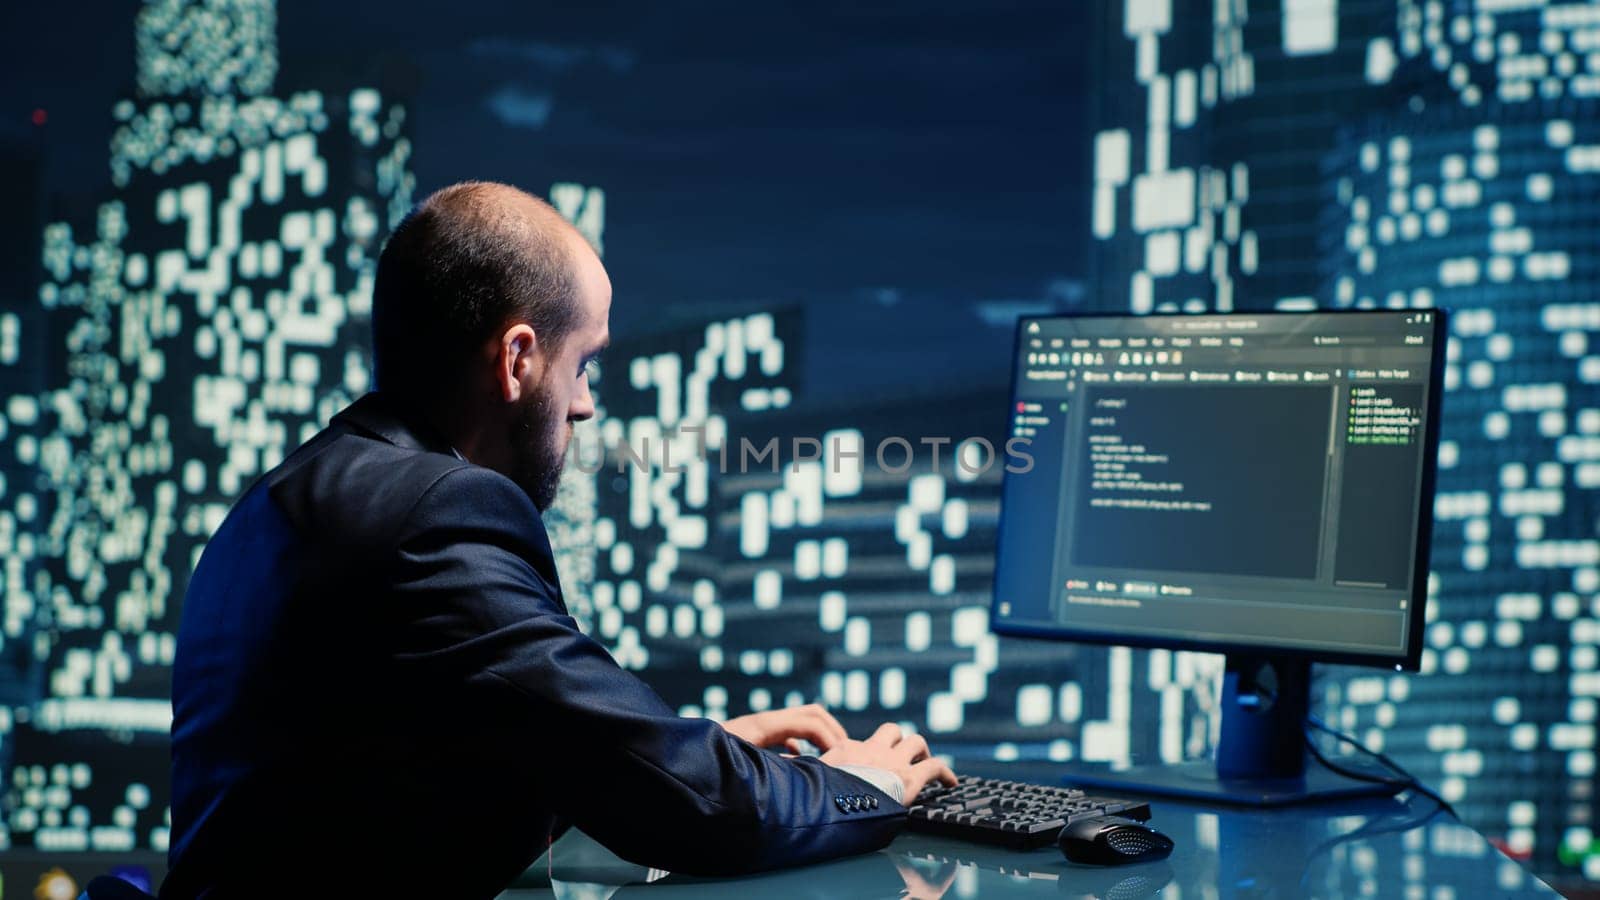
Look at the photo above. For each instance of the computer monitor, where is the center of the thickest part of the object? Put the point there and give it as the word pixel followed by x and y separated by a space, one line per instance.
pixel 1258 485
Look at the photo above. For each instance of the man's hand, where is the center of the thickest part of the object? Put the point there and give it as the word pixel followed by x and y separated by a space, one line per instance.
pixel 889 749
pixel 787 727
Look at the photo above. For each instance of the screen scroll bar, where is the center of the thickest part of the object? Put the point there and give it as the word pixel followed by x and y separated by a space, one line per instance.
pixel 1333 419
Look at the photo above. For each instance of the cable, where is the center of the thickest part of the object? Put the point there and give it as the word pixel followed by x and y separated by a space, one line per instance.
pixel 1405 780
pixel 1397 783
pixel 1374 827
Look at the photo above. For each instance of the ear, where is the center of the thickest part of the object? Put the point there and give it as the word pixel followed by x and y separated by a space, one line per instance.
pixel 516 361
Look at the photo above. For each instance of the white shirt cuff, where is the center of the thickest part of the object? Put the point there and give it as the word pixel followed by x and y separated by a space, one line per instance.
pixel 882 779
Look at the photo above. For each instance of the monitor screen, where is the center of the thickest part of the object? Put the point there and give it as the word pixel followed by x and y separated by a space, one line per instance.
pixel 1238 482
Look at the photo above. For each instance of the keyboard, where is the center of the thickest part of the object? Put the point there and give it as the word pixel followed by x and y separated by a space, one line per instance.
pixel 1012 813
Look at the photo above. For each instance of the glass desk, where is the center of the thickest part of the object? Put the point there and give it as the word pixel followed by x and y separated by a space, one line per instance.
pixel 1357 848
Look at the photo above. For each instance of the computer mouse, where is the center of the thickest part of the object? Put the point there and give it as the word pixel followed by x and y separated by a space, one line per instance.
pixel 1112 841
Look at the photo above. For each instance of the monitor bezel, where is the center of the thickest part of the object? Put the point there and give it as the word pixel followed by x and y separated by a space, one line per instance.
pixel 1410 659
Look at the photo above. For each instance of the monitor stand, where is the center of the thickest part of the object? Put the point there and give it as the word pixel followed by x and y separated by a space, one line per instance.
pixel 1261 754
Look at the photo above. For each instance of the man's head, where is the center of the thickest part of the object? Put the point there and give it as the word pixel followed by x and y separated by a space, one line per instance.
pixel 487 310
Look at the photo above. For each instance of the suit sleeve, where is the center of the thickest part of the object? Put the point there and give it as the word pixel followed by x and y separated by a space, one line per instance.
pixel 477 609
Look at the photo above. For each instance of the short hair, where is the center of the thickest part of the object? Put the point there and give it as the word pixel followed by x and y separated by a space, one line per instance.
pixel 467 261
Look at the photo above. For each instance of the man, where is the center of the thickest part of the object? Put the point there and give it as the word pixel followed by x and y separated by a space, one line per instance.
pixel 378 687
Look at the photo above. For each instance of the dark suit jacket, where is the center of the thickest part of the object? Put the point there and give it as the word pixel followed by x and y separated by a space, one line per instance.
pixel 377 681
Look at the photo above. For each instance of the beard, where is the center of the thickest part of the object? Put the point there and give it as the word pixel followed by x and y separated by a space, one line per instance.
pixel 539 437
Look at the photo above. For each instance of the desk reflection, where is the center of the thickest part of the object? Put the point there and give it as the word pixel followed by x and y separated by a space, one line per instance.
pixel 913 868
pixel 1361 848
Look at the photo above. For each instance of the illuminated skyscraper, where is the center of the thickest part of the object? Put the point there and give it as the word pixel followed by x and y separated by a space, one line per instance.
pixel 211 316
pixel 1214 118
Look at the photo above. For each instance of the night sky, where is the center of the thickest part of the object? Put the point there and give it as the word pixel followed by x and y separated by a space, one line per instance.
pixel 913 173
